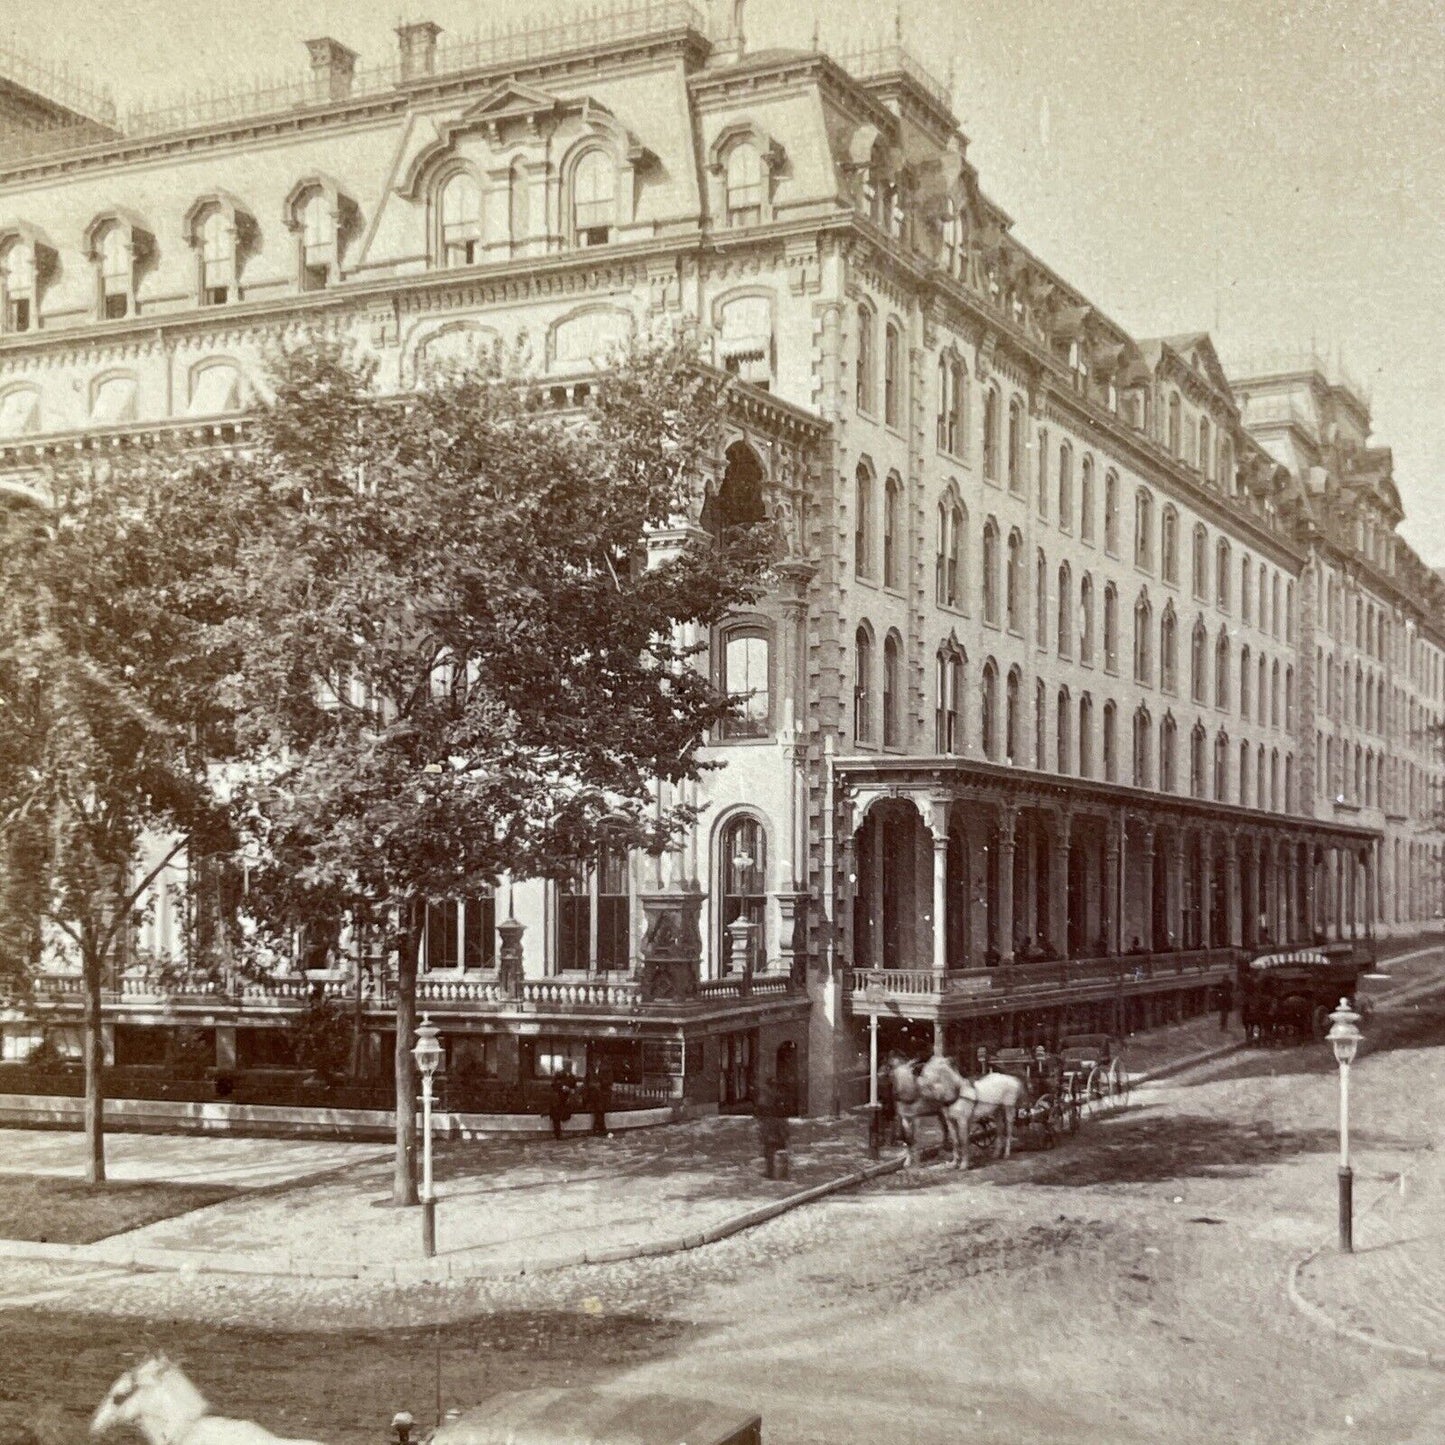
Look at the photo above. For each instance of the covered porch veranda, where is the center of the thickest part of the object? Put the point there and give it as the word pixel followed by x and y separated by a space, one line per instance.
pixel 966 889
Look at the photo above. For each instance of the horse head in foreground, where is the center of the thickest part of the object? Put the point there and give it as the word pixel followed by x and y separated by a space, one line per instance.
pixel 158 1400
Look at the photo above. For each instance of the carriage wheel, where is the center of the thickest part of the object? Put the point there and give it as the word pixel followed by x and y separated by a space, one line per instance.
pixel 984 1136
pixel 1097 1087
pixel 1118 1084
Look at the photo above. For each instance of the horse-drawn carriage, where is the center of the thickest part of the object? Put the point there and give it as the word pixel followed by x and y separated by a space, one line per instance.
pixel 1095 1070
pixel 1050 1103
pixel 1288 994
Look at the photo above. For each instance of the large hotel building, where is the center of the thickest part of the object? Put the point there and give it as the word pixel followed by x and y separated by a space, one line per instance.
pixel 1086 664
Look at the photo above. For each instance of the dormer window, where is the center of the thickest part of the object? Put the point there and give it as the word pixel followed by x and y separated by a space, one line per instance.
pixel 117 275
pixel 594 199
pixel 744 186
pixel 18 275
pixel 218 260
pixel 318 242
pixel 461 220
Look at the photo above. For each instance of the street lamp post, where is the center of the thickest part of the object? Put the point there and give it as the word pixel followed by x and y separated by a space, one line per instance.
pixel 1344 1037
pixel 428 1054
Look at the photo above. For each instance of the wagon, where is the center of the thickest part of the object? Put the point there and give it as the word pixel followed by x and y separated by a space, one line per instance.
pixel 590 1417
pixel 1050 1104
pixel 1095 1070
pixel 1290 993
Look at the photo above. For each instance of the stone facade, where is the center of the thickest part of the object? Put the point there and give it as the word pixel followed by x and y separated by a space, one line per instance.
pixel 1019 542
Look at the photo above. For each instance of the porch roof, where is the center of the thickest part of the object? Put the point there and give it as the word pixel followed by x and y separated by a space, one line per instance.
pixel 945 777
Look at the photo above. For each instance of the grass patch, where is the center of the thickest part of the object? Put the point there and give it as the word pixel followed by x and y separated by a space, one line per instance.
pixel 46 1210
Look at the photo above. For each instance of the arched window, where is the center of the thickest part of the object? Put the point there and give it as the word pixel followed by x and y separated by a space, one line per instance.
pixel 1111 513
pixel 1168 777
pixel 319 237
pixel 1198 650
pixel 1201 563
pixel 988 719
pixel 1169 545
pixel 1041 724
pixel 1168 650
pixel 1143 640
pixel 743 179
pixel 1289 797
pixel 1015 446
pixel 1221 768
pixel 952 405
pixel 1143 529
pixel 1206 447
pixel 1244 679
pixel 519 213
pixel 1086 620
pixel 949 583
pixel 594 199
pixel 892 686
pixel 1065 629
pixel 892 376
pixel 115 272
pixel 1014 583
pixel 1259 777
pixel 1043 471
pixel 1221 669
pixel 991 434
pixel 1261 692
pixel 1143 746
pixel 743 868
pixel 1111 742
pixel 1274 779
pixel 460 208
pixel 1011 716
pixel 1261 595
pixel 218 257
pixel 1111 628
pixel 1041 599
pixel 990 572
pixel 862 685
pixel 1066 487
pixel 1289 699
pixel 863 522
pixel 1196 761
pixel 1086 736
pixel 1244 775
pixel 18 275
pixel 1175 439
pixel 746 677
pixel 1221 575
pixel 951 662
pixel 1063 721
pixel 867 360
pixel 1086 500
pixel 892 531
pixel 1289 611
pixel 1246 602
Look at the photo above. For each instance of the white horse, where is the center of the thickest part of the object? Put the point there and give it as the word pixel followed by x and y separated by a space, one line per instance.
pixel 157 1398
pixel 998 1095
pixel 939 1088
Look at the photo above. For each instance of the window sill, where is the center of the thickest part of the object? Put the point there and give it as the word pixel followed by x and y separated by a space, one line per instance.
pixel 954 609
pixel 960 458
pixel 863 579
pixel 894 590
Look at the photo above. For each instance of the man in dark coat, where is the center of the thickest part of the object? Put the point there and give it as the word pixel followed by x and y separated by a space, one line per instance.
pixel 1224 1001
pixel 563 1084
pixel 772 1120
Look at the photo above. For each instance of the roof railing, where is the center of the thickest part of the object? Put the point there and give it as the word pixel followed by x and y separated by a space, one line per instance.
pixel 56 84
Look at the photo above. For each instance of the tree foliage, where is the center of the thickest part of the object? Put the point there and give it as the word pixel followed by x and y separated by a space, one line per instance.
pixel 467 631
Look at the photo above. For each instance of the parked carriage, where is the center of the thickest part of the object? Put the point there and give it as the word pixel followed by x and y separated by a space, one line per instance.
pixel 1095 1070
pixel 1051 1104
pixel 1288 995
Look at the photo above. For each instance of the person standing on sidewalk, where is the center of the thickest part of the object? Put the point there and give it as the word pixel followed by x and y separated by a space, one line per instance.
pixel 602 1096
pixel 563 1084
pixel 772 1125
pixel 1224 1001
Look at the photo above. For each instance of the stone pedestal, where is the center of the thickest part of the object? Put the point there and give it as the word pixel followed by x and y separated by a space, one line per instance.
pixel 672 945
pixel 793 935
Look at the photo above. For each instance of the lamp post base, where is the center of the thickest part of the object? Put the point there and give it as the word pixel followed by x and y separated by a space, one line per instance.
pixel 1347 1210
pixel 429 1227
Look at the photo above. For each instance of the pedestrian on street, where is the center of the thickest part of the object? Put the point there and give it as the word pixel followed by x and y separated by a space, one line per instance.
pixel 563 1084
pixel 1224 1000
pixel 772 1125
pixel 602 1097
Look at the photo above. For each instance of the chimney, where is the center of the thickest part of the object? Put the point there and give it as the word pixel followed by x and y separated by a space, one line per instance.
pixel 418 48
pixel 332 67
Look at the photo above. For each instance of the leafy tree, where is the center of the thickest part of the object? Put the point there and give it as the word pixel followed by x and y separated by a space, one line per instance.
pixel 458 655
pixel 109 714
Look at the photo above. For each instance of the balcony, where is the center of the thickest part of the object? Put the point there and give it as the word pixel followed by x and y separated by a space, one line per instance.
pixel 978 992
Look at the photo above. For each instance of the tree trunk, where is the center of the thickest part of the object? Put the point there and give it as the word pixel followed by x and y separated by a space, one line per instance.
pixel 94 1061
pixel 403 1187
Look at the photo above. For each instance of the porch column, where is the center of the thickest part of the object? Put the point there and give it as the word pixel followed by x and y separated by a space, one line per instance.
pixel 1292 903
pixel 1369 867
pixel 1007 821
pixel 1311 914
pixel 1113 930
pixel 1059 884
pixel 1231 891
pixel 1206 891
pixel 938 826
pixel 1146 898
pixel 1176 890
pixel 848 878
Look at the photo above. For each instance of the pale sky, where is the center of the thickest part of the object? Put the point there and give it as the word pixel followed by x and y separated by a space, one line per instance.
pixel 1267 170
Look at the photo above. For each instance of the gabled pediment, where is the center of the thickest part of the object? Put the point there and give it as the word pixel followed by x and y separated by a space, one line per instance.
pixel 1199 353
pixel 512 98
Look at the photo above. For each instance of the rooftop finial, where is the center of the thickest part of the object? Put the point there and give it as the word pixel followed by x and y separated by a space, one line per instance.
pixel 898 23
pixel 739 33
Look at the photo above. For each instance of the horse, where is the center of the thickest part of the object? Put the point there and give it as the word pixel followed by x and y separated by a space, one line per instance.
pixel 999 1095
pixel 157 1398
pixel 937 1088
